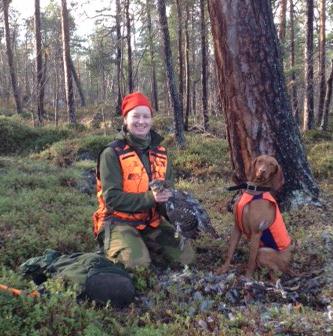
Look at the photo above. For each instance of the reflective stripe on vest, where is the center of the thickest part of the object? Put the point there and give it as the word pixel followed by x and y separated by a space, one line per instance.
pixel 135 180
pixel 276 235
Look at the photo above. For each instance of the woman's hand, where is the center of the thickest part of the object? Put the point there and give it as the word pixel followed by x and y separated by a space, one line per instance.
pixel 162 196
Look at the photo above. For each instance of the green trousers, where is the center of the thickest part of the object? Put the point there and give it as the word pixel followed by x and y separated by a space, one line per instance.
pixel 134 248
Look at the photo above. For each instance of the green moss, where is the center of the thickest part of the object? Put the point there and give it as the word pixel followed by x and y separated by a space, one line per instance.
pixel 41 207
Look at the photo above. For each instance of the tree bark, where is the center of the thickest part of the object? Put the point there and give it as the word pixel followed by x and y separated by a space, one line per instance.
pixel 56 95
pixel 44 79
pixel 187 69
pixel 180 52
pixel 204 65
pixel 308 117
pixel 27 91
pixel 294 103
pixel 39 66
pixel 172 88
pixel 129 48
pixel 322 61
pixel 152 58
pixel 328 97
pixel 77 82
pixel 10 57
pixel 118 57
pixel 67 62
pixel 282 23
pixel 252 86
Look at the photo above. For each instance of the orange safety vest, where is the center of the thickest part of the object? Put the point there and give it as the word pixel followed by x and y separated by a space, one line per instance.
pixel 276 235
pixel 135 180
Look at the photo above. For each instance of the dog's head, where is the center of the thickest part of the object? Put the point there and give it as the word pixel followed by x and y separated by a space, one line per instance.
pixel 266 171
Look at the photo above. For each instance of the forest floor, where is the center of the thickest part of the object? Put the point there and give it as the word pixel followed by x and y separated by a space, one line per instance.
pixel 47 199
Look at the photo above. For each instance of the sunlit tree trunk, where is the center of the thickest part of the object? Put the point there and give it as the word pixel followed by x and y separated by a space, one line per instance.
pixel 204 65
pixel 255 101
pixel 308 114
pixel 44 79
pixel 27 90
pixel 282 23
pixel 77 82
pixel 187 69
pixel 294 103
pixel 180 52
pixel 174 95
pixel 328 97
pixel 129 48
pixel 67 67
pixel 152 57
pixel 39 66
pixel 5 7
pixel 56 94
pixel 118 56
pixel 322 61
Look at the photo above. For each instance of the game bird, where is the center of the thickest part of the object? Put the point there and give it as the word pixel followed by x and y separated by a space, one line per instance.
pixel 185 213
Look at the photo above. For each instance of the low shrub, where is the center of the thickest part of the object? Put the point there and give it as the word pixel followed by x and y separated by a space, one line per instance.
pixel 315 135
pixel 65 153
pixel 203 157
pixel 17 138
pixel 321 159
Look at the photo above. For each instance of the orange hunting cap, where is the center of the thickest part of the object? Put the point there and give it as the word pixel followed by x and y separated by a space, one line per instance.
pixel 133 100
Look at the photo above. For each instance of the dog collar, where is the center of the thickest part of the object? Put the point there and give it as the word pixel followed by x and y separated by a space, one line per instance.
pixel 247 186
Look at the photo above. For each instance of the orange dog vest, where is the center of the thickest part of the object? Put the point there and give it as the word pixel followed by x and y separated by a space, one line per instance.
pixel 276 235
pixel 135 180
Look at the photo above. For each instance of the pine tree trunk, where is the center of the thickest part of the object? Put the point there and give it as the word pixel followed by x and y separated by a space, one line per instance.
pixel 27 91
pixel 180 53
pixel 129 48
pixel 118 57
pixel 294 102
pixel 322 61
pixel 204 66
pixel 56 95
pixel 77 82
pixel 328 97
pixel 44 80
pixel 39 65
pixel 255 101
pixel 282 23
pixel 187 69
pixel 172 88
pixel 67 67
pixel 308 117
pixel 152 58
pixel 10 57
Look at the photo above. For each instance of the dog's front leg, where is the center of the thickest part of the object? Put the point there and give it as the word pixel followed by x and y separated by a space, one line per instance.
pixel 254 247
pixel 234 240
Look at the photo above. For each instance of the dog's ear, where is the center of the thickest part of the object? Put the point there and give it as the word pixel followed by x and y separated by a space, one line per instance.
pixel 278 179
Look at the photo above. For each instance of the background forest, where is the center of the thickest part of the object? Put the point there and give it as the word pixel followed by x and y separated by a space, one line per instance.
pixel 60 96
pixel 125 52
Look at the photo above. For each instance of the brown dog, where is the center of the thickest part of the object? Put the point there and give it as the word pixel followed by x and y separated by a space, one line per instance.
pixel 258 217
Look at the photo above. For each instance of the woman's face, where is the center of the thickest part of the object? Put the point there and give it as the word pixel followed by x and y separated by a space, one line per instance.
pixel 139 121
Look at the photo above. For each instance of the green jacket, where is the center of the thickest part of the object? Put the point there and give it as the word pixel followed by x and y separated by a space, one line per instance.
pixel 111 175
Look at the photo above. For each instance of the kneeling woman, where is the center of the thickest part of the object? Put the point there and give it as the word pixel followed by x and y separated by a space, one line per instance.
pixel 128 220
